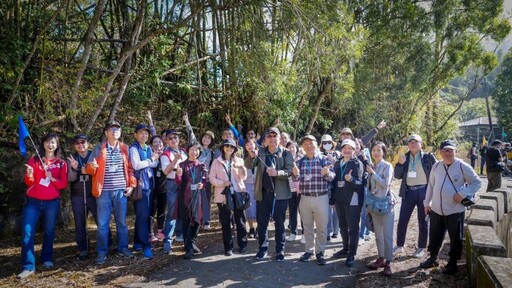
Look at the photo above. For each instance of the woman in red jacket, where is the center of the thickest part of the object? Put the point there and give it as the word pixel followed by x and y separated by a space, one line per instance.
pixel 45 179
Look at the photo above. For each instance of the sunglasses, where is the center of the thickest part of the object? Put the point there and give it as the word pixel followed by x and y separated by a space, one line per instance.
pixel 80 142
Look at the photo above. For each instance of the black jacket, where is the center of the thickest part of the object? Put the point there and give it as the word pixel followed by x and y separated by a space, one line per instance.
pixel 427 160
pixel 343 195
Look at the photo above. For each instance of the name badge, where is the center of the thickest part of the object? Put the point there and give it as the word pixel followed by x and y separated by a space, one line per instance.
pixel 341 184
pixel 308 177
pixel 45 182
pixel 112 168
pixel 158 174
pixel 411 174
pixel 193 186
pixel 84 178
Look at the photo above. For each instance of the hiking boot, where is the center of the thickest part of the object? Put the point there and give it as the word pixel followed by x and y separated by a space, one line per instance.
pixel 350 261
pixel 450 268
pixel 429 263
pixel 320 259
pixel 379 263
pixel 387 270
pixel 305 257
pixel 261 255
pixel 340 254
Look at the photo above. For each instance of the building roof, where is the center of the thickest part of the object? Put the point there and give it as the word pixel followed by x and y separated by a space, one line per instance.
pixel 481 121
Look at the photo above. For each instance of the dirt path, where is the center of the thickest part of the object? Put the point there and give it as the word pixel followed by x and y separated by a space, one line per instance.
pixel 213 269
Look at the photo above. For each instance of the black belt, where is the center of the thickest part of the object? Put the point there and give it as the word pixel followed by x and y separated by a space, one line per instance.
pixel 315 194
pixel 416 187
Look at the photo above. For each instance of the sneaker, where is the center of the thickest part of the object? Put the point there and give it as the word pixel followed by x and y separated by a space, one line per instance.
pixel 340 254
pixel 419 253
pixel 398 250
pixel 48 265
pixel 83 255
pixel 179 238
pixel 387 271
pixel 450 268
pixel 147 253
pixel 261 255
pixel 25 273
pixel 320 259
pixel 125 253
pixel 137 247
pixel 303 240
pixel 152 238
pixel 379 263
pixel 188 255
pixel 207 227
pixel 100 260
pixel 429 263
pixel 305 257
pixel 279 257
pixel 334 235
pixel 160 235
pixel 228 253
pixel 350 261
pixel 242 250
pixel 291 238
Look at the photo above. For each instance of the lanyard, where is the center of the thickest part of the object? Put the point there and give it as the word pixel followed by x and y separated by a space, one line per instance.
pixel 110 150
pixel 412 165
pixel 343 166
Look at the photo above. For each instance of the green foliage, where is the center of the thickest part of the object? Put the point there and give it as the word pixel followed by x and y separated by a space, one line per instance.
pixel 502 94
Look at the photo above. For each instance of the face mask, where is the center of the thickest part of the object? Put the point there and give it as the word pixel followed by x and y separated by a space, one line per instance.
pixel 327 146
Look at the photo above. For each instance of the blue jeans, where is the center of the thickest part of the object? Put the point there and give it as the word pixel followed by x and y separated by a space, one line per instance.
pixel 143 219
pixel 333 226
pixel 113 200
pixel 413 198
pixel 48 210
pixel 77 203
pixel 170 224
pixel 277 209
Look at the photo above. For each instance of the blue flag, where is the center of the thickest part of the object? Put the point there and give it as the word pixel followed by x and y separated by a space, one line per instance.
pixel 23 133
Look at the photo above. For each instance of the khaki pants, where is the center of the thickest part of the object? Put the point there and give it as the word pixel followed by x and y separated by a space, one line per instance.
pixel 314 212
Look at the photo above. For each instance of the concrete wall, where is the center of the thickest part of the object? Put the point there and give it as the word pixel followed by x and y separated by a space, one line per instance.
pixel 488 245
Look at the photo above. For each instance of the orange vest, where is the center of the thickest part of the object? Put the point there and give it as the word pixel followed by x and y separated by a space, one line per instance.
pixel 98 174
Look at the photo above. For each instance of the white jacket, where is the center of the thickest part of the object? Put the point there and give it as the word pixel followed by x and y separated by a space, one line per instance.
pixel 440 190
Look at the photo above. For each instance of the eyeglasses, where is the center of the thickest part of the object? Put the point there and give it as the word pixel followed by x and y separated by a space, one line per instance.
pixel 114 129
pixel 271 136
pixel 80 142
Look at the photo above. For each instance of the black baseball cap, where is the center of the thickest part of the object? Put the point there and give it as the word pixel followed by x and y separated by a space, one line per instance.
pixel 112 123
pixel 80 137
pixel 448 144
pixel 142 126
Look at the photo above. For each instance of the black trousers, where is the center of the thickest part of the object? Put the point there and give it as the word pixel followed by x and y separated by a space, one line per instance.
pixel 190 230
pixel 439 224
pixel 225 222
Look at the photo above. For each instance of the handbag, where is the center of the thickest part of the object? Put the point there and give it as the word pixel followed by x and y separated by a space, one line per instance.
pixel 228 192
pixel 378 205
pixel 136 193
pixel 242 200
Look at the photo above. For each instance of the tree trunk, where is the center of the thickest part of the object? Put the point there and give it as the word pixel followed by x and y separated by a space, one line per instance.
pixel 326 91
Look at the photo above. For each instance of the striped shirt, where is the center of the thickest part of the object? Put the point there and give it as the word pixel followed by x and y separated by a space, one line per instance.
pixel 311 179
pixel 114 170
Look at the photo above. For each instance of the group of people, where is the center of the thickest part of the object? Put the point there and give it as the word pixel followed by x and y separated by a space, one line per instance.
pixel 327 183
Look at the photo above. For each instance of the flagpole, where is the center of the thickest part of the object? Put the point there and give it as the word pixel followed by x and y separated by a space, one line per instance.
pixel 37 151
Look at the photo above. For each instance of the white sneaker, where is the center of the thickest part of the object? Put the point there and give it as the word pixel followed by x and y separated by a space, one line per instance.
pixel 25 273
pixel 419 253
pixel 303 240
pixel 179 238
pixel 291 238
pixel 398 250
pixel 207 227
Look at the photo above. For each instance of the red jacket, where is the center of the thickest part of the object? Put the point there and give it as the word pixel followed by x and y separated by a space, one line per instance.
pixel 59 170
pixel 98 175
